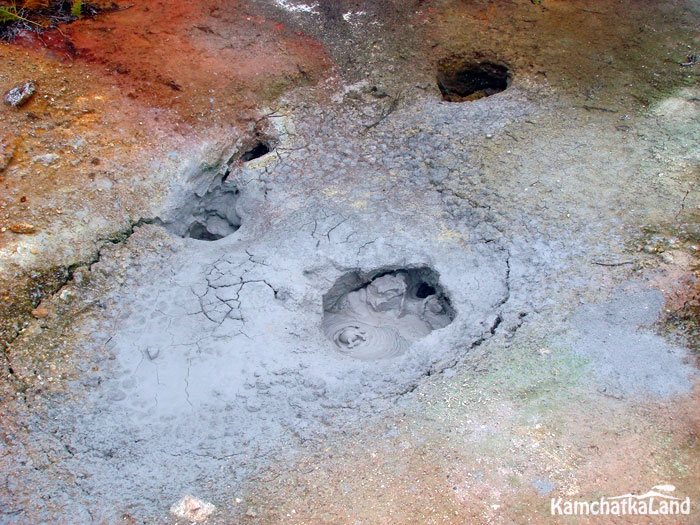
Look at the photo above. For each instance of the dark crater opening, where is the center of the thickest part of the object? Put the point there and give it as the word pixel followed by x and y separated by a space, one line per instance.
pixel 461 81
pixel 379 314
pixel 424 290
pixel 257 151
pixel 208 217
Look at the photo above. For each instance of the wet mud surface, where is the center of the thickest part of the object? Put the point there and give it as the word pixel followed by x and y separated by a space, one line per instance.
pixel 393 291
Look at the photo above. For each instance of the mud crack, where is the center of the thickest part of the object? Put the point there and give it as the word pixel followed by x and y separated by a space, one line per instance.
pixel 51 284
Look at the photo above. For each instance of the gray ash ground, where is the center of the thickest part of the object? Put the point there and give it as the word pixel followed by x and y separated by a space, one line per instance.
pixel 221 363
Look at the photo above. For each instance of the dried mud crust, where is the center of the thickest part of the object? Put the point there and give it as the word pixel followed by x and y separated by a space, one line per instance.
pixel 232 345
pixel 77 161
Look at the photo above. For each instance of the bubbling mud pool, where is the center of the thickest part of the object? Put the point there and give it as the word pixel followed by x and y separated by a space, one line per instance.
pixel 380 316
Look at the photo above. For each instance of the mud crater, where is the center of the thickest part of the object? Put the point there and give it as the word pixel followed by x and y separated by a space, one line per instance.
pixel 460 80
pixel 379 315
pixel 212 214
pixel 209 216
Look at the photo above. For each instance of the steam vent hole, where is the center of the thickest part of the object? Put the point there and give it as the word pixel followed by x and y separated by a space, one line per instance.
pixel 380 315
pixel 463 81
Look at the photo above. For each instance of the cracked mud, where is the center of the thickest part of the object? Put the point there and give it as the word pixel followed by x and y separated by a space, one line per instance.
pixel 316 314
pixel 229 336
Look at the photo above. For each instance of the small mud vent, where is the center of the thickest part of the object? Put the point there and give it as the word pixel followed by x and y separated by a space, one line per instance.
pixel 461 81
pixel 379 315
pixel 260 149
pixel 208 217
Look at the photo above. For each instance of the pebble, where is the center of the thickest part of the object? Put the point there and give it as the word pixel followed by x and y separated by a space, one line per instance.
pixel 192 509
pixel 47 159
pixel 40 313
pixel 20 95
pixel 7 152
pixel 67 295
pixel 22 228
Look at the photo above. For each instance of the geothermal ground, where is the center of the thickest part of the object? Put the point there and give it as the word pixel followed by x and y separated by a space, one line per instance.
pixel 432 261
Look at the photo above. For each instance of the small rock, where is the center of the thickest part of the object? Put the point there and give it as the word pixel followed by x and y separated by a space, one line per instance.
pixel 46 160
pixel 667 257
pixel 40 313
pixel 19 95
pixel 192 509
pixel 22 228
pixel 67 295
pixel 251 513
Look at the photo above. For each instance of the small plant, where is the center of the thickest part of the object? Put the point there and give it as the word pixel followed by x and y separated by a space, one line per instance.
pixel 17 16
pixel 7 15
pixel 12 13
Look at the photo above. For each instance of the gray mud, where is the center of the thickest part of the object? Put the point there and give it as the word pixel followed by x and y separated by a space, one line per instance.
pixel 206 209
pixel 208 217
pixel 237 347
pixel 221 358
pixel 629 358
